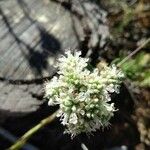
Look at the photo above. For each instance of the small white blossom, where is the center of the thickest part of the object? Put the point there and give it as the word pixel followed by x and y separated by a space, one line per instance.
pixel 82 95
pixel 73 119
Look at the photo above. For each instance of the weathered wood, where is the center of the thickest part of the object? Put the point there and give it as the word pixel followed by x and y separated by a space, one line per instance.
pixel 34 33
pixel 18 99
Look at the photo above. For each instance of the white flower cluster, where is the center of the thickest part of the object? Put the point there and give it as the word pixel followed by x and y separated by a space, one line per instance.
pixel 83 95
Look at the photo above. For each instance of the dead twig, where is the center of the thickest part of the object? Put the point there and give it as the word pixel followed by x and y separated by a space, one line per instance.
pixel 134 52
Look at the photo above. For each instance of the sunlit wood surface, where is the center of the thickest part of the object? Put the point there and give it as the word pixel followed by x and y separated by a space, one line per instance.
pixel 32 35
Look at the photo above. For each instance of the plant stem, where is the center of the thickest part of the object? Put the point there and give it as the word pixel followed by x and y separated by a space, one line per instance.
pixel 134 52
pixel 21 141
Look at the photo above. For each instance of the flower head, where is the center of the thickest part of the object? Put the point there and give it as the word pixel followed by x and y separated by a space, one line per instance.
pixel 82 95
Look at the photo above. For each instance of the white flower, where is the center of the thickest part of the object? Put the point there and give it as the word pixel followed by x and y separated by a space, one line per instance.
pixel 82 95
pixel 73 119
pixel 110 88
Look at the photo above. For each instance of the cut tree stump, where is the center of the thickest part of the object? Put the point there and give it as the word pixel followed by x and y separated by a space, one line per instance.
pixel 33 34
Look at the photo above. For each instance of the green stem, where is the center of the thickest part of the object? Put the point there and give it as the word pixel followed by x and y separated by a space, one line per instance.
pixel 21 141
